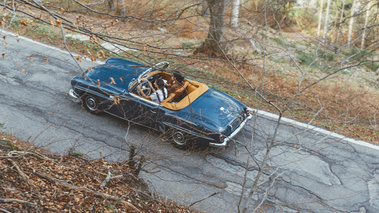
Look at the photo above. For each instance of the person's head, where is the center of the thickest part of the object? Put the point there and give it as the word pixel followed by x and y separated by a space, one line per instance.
pixel 159 83
pixel 177 76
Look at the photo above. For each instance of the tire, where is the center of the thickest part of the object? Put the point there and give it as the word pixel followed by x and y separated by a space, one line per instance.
pixel 179 138
pixel 91 104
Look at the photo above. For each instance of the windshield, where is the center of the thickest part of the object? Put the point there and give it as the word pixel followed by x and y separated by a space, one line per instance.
pixel 159 66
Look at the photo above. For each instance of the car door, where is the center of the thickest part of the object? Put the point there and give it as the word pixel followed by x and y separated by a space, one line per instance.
pixel 121 105
pixel 136 109
pixel 148 113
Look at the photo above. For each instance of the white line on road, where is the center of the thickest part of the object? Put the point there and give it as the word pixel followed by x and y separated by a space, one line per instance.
pixel 317 129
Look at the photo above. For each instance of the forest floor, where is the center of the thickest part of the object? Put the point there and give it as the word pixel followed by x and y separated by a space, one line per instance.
pixel 34 180
pixel 350 98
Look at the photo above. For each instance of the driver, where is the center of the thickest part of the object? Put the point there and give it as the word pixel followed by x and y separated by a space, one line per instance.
pixel 158 95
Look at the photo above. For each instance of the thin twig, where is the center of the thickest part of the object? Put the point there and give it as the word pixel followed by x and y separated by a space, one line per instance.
pixel 3 210
pixel 5 200
pixel 107 179
pixel 216 193
pixel 23 153
pixel 27 180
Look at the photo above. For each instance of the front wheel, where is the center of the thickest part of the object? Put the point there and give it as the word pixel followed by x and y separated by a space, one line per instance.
pixel 91 104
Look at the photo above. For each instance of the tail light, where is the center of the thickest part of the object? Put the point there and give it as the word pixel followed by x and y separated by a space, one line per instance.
pixel 222 138
pixel 247 111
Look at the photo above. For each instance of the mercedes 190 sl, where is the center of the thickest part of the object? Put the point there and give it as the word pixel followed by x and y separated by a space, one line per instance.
pixel 193 113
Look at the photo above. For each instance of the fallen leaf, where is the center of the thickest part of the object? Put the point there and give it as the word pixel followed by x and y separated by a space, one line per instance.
pixel 102 54
pixel 58 23
pixel 92 58
pixel 112 81
pixel 24 23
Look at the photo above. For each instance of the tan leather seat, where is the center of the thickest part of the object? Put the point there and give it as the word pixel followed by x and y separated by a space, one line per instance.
pixel 175 95
pixel 194 90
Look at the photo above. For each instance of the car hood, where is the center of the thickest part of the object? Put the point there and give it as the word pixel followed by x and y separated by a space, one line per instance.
pixel 116 72
pixel 214 110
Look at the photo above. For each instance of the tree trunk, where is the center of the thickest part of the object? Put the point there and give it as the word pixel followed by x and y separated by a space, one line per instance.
pixel 335 21
pixel 341 17
pixel 366 21
pixel 121 7
pixel 235 13
pixel 326 20
pixel 351 22
pixel 211 46
pixel 320 18
pixel 110 5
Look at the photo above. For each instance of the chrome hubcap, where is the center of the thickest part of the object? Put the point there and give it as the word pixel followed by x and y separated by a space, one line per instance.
pixel 91 103
pixel 179 138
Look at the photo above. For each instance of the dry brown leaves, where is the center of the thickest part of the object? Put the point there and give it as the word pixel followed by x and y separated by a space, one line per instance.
pixel 69 184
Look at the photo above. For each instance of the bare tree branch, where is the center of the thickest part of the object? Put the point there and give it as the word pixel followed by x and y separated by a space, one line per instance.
pixel 11 200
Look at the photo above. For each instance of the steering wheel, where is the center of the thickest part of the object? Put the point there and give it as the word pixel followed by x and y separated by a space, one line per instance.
pixel 145 88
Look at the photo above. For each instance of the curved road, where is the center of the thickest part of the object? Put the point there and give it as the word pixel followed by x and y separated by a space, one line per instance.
pixel 314 171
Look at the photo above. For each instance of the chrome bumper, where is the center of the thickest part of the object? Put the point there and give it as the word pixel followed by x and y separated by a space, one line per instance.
pixel 73 96
pixel 231 136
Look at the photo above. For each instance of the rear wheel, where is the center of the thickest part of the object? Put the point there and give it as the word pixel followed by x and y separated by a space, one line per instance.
pixel 180 139
pixel 91 103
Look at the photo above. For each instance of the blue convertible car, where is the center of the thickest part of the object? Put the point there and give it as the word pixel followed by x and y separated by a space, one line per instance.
pixel 193 112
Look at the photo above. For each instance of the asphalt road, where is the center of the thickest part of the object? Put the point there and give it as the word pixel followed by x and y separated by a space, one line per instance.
pixel 314 171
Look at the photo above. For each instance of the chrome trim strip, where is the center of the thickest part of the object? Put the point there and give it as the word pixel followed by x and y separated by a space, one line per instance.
pixel 86 90
pixel 187 131
pixel 230 137
pixel 125 119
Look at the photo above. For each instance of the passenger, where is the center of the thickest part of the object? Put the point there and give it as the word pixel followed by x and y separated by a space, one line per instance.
pixel 176 82
pixel 158 95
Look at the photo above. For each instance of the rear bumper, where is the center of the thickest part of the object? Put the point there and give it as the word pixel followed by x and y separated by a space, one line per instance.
pixel 231 136
pixel 73 96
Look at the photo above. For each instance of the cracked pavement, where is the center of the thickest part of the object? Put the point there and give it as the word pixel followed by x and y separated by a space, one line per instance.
pixel 314 172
